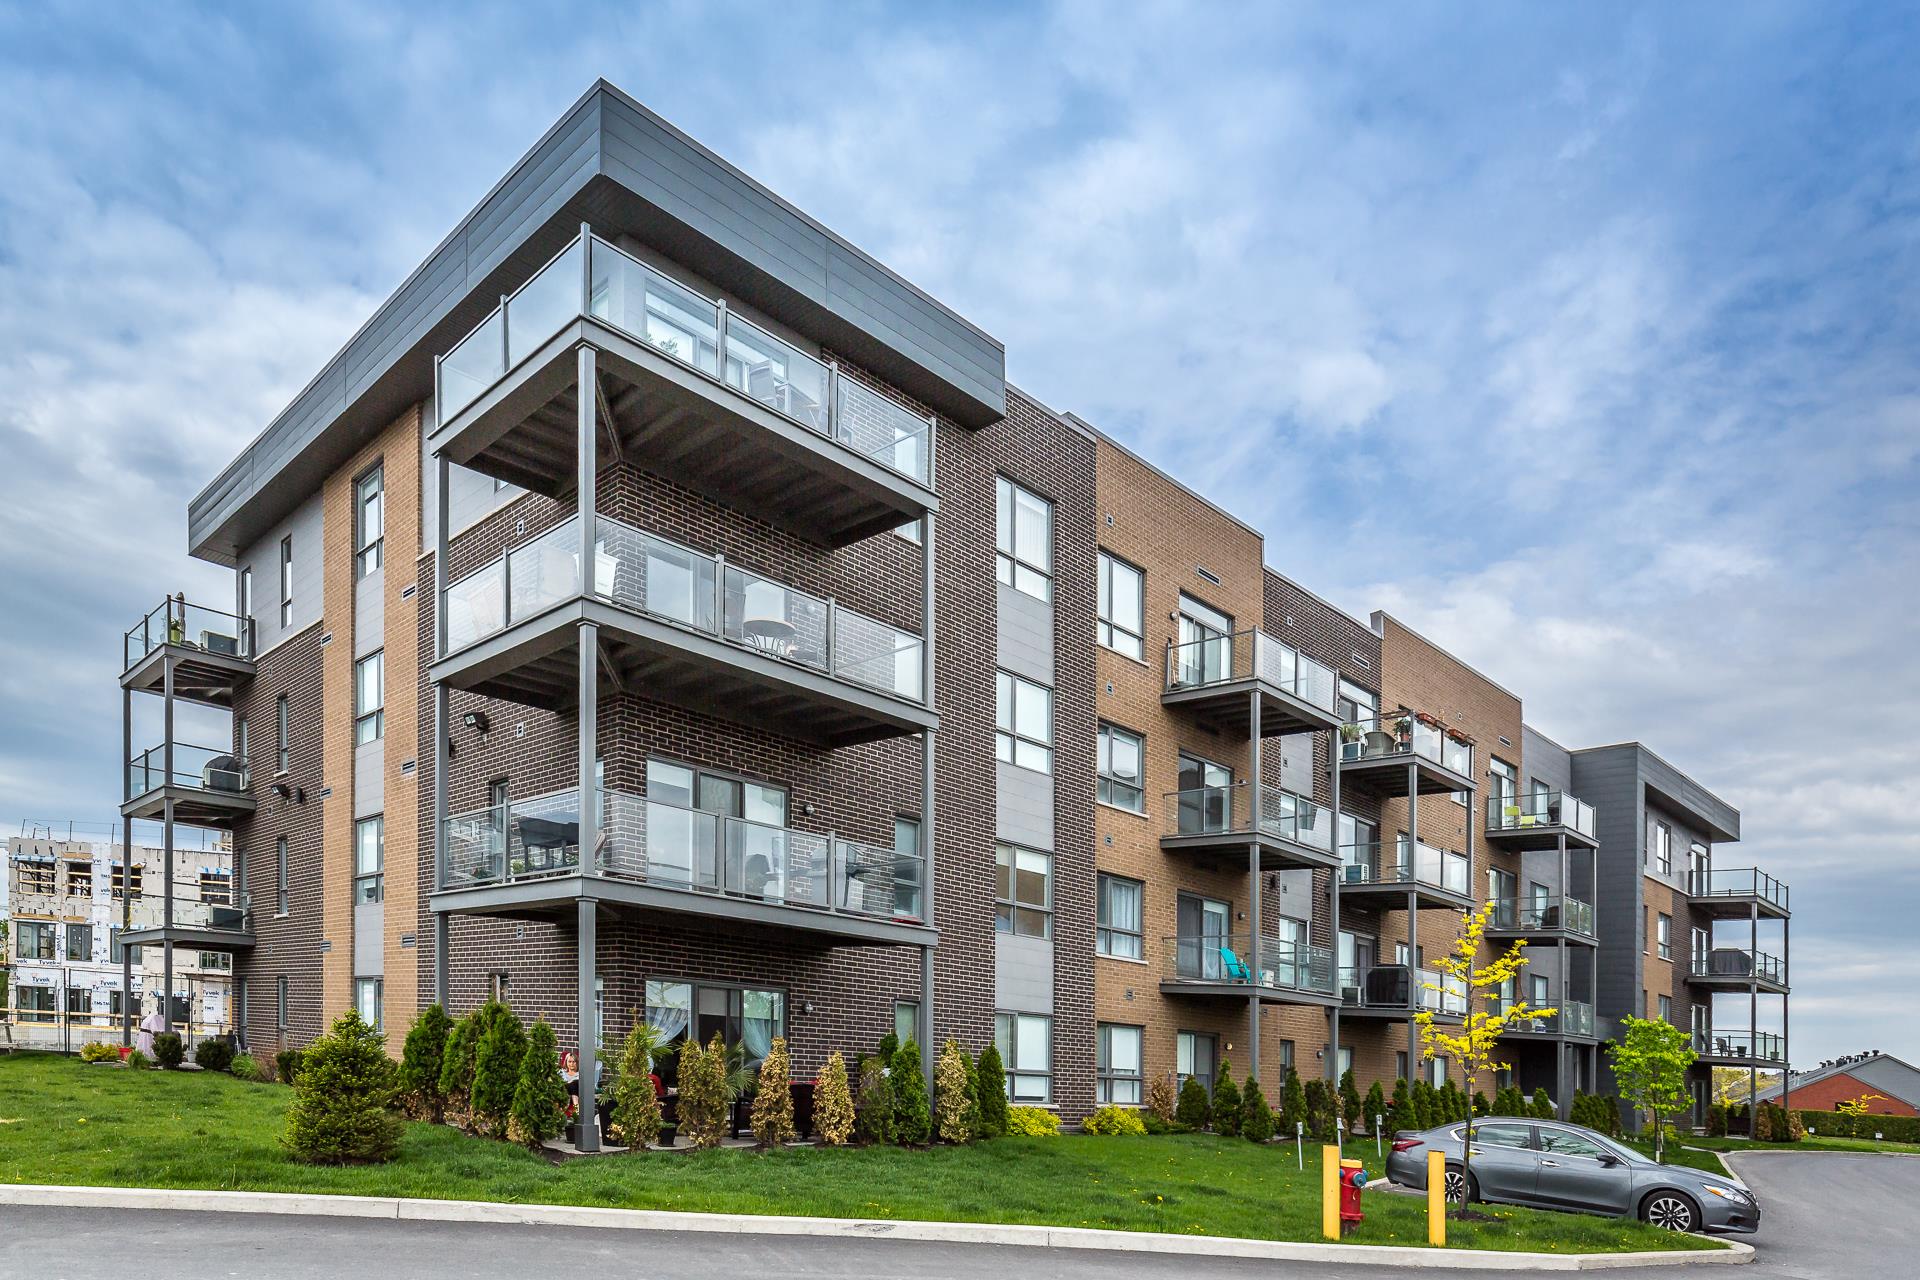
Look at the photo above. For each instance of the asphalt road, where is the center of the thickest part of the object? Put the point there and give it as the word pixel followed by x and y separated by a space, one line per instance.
pixel 1826 1216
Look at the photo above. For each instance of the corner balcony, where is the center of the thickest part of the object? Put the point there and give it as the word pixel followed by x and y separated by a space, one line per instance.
pixel 1215 679
pixel 1571 1020
pixel 688 628
pixel 523 860
pixel 209 787
pixel 1738 969
pixel 1234 968
pixel 200 926
pixel 1215 824
pixel 1737 893
pixel 1541 821
pixel 212 653
pixel 1383 876
pixel 1406 751
pixel 1396 991
pixel 688 390
pixel 1553 919
pixel 1739 1048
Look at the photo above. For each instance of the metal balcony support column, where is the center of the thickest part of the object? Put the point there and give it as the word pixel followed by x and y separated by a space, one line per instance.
pixel 442 965
pixel 166 839
pixel 126 871
pixel 929 612
pixel 442 725
pixel 1786 1021
pixel 1333 1012
pixel 1566 984
pixel 1413 916
pixel 1753 1007
pixel 1253 890
pixel 589 1051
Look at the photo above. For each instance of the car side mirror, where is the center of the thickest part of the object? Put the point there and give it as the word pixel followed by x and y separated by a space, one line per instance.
pixel 1608 1162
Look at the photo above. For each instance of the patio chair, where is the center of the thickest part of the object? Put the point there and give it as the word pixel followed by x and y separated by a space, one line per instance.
pixel 1232 967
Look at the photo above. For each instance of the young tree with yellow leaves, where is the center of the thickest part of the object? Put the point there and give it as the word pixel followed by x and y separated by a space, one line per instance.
pixel 1473 1049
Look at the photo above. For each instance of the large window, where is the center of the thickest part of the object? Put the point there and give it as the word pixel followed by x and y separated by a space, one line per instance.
pixel 369 524
pixel 80 943
pixel 369 859
pixel 1023 541
pixel 1025 1041
pixel 282 731
pixel 1023 893
pixel 366 1000
pixel 1023 716
pixel 1194 1056
pixel 286 581
pixel 34 1004
pixel 80 879
pixel 124 881
pixel 1120 776
pixel 685 846
pixel 1204 653
pixel 34 940
pixel 747 1016
pixel 281 891
pixel 1118 1077
pixel 370 698
pixel 1663 935
pixel 1119 930
pixel 1660 846
pixel 1123 623
pixel 34 875
pixel 1666 1009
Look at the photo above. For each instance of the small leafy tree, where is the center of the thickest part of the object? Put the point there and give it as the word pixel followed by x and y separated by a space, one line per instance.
pixel 1225 1112
pixel 496 1068
pixel 1857 1107
pixel 1474 1049
pixel 1163 1098
pixel 343 1106
pixel 1350 1102
pixel 990 1077
pixel 703 1092
pixel 873 1103
pixel 952 1101
pixel 422 1060
pixel 636 1120
pixel 1403 1117
pixel 1194 1107
pixel 1650 1062
pixel 456 1068
pixel 833 1102
pixel 772 1120
pixel 539 1109
pixel 1256 1117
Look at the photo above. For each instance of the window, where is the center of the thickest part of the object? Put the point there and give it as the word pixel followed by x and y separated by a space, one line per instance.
pixel 908 868
pixel 34 1004
pixel 38 877
pixel 282 729
pixel 1286 1059
pixel 1666 1008
pixel 369 525
pixel 1194 1056
pixel 1400 1065
pixel 1119 785
pixel 1123 623
pixel 1345 1061
pixel 1702 944
pixel 1659 853
pixel 216 887
pixel 286 581
pixel 1023 714
pixel 1204 653
pixel 1023 540
pixel 80 879
pixel 1437 1072
pixel 246 592
pixel 910 531
pixel 366 1000
pixel 1117 1079
pixel 1561 1143
pixel 1698 860
pixel 1205 799
pixel 281 891
pixel 1119 931
pixel 280 1004
pixel 369 859
pixel 1505 788
pixel 80 942
pixel 683 841
pixel 1539 991
pixel 1023 891
pixel 1519 1136
pixel 1663 932
pixel 35 940
pixel 117 1004
pixel 1025 1041
pixel 500 986
pixel 745 1016
pixel 369 698
pixel 906 1020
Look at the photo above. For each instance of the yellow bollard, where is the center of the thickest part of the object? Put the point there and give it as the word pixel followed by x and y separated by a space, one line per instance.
pixel 1436 1198
pixel 1330 1192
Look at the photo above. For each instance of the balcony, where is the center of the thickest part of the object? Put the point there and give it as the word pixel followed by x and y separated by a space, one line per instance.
pixel 688 628
pixel 199 925
pixel 1405 750
pixel 1549 919
pixel 523 860
pixel 209 787
pixel 212 653
pixel 1435 877
pixel 1396 991
pixel 1739 1048
pixel 688 390
pixel 1738 969
pixel 1232 967
pixel 1216 823
pixel 1541 821
pixel 1216 679
pixel 1737 892
pixel 1572 1019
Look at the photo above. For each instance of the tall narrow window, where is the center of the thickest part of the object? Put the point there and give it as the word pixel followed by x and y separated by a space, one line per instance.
pixel 909 868
pixel 370 697
pixel 1119 769
pixel 1119 918
pixel 1025 1041
pixel 281 892
pixel 280 1004
pixel 1023 891
pixel 369 524
pixel 1663 933
pixel 369 859
pixel 1117 1065
pixel 286 581
pixel 1023 543
pixel 246 592
pixel 282 729
pixel 366 999
pixel 1194 1055
pixel 1122 607
pixel 1023 714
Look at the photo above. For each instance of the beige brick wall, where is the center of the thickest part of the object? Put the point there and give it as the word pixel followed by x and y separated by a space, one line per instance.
pixel 336 718
pixel 400 451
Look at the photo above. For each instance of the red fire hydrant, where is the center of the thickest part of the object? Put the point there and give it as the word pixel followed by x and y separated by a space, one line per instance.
pixel 1352 1177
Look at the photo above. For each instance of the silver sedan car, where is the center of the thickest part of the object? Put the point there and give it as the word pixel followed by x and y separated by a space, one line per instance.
pixel 1545 1164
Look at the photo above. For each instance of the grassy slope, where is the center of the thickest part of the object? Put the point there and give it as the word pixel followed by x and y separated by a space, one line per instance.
pixel 61 1122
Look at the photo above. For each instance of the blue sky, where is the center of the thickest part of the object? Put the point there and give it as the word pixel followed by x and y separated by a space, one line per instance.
pixel 1582 340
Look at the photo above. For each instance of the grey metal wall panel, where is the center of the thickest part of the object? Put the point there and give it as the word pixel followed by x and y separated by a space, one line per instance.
pixel 369 778
pixel 1608 778
pixel 1025 636
pixel 1023 974
pixel 305 526
pixel 1024 806
pixel 1296 762
pixel 1294 898
pixel 369 934
pixel 369 613
pixel 1543 759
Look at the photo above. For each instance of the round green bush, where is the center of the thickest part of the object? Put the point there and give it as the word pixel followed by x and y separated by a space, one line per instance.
pixel 213 1055
pixel 344 1106
pixel 1115 1122
pixel 1032 1122
pixel 169 1050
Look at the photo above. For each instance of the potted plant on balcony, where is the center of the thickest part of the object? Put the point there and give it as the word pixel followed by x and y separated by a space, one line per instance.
pixel 1403 728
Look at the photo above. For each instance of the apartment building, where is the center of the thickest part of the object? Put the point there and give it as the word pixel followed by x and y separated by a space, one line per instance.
pixel 894 700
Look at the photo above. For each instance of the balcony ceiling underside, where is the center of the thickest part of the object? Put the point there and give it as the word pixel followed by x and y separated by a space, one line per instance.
pixel 196 938
pixel 1736 1058
pixel 674 421
pixel 1228 852
pixel 1530 839
pixel 192 806
pixel 1228 708
pixel 198 676
pixel 1388 776
pixel 1391 1013
pixel 536 663
pixel 1546 934
pixel 1737 982
pixel 1737 906
pixel 1393 897
pixel 557 900
pixel 1240 991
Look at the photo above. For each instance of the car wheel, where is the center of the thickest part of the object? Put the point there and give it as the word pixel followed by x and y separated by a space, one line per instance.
pixel 1459 1186
pixel 1670 1211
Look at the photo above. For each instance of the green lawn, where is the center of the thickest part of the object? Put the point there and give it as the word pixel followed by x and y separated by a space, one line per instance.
pixel 61 1122
pixel 1810 1144
pixel 1689 1155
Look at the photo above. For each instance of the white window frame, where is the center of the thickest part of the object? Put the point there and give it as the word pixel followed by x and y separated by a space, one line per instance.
pixel 283 734
pixel 286 581
pixel 1017 741
pixel 1011 516
pixel 370 859
pixel 1013 914
pixel 1115 789
pixel 369 521
pixel 282 886
pixel 370 698
pixel 1125 636
pixel 1119 940
pixel 1114 1086
pixel 1029 1084
pixel 370 992
pixel 1663 935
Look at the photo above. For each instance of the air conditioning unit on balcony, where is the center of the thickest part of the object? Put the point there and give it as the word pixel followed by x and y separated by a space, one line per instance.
pixel 1389 984
pixel 214 642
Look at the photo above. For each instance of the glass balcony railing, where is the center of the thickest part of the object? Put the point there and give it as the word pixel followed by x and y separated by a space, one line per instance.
pixel 1234 960
pixel 1739 964
pixel 1404 734
pixel 204 768
pixel 176 622
pixel 1227 811
pixel 1373 863
pixel 1737 882
pixel 703 593
pixel 198 913
pixel 1245 655
pixel 1395 986
pixel 1543 809
pixel 699 332
pixel 1543 915
pixel 1758 1046
pixel 670 846
pixel 1569 1017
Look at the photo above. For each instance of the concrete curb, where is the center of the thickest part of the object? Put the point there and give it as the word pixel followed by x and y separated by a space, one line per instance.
pixel 272 1202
